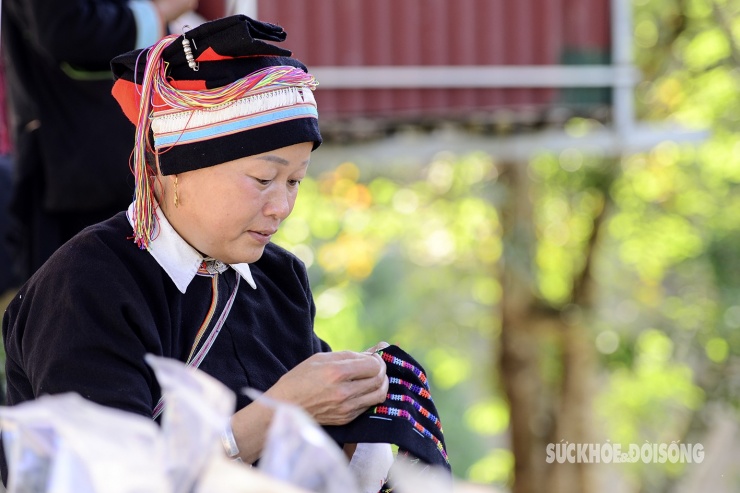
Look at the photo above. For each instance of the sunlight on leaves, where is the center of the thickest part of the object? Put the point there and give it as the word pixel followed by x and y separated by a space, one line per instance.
pixel 496 467
pixel 447 367
pixel 717 349
pixel 706 49
pixel 489 417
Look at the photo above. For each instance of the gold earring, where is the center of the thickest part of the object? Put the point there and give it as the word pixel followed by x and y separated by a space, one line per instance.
pixel 177 199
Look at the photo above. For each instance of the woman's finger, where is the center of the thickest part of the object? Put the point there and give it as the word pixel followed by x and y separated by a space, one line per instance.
pixel 377 347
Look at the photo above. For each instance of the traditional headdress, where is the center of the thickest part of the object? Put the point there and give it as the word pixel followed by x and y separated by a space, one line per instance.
pixel 213 94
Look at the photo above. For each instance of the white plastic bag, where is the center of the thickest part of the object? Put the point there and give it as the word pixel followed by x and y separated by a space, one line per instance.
pixel 197 410
pixel 29 452
pixel 298 451
pixel 222 475
pixel 66 444
pixel 77 446
pixel 370 464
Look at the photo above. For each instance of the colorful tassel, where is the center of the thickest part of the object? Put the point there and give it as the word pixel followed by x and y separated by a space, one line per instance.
pixel 155 81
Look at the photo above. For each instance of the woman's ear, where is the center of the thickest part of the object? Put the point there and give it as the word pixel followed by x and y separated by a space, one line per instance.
pixel 158 181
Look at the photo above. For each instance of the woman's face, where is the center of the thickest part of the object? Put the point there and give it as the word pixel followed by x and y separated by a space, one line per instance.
pixel 231 210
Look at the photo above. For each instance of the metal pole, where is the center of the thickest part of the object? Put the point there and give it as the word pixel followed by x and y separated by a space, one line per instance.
pixel 246 7
pixel 623 105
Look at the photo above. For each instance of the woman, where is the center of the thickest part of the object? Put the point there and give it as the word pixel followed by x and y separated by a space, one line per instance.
pixel 225 128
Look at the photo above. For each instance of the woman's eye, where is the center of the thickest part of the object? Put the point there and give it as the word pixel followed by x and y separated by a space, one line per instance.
pixel 263 182
pixel 294 183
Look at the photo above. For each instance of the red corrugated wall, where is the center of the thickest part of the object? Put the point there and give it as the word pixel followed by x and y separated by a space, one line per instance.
pixel 437 32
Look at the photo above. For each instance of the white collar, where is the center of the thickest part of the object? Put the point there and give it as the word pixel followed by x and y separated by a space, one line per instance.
pixel 178 259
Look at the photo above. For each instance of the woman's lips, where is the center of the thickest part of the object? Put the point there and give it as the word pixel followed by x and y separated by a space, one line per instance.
pixel 262 236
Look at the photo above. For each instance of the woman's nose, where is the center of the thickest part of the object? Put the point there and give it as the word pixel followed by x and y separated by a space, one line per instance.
pixel 278 203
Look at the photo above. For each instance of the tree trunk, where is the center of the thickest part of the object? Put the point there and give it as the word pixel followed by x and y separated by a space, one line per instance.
pixel 518 353
pixel 539 414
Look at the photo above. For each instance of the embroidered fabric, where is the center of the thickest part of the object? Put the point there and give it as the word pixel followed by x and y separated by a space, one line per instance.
pixel 408 417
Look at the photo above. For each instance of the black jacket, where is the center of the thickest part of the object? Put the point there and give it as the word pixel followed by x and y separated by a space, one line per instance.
pixel 86 319
pixel 69 133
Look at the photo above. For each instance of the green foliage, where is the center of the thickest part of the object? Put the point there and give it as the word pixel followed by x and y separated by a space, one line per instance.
pixel 495 467
pixel 569 194
pixel 652 402
pixel 488 417
pixel 412 263
pixel 671 254
pixel 416 261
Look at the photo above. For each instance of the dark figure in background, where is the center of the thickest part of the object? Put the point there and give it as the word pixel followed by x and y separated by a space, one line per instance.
pixel 71 142
pixel 7 279
pixel 6 276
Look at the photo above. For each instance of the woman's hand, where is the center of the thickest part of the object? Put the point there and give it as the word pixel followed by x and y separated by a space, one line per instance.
pixel 334 388
pixel 377 347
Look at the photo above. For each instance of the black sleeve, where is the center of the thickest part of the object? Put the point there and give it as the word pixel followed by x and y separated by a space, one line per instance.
pixel 83 330
pixel 81 32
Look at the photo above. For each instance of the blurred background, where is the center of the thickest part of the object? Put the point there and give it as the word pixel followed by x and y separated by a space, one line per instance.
pixel 538 199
